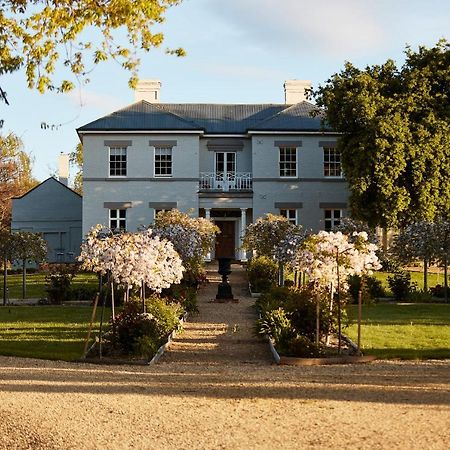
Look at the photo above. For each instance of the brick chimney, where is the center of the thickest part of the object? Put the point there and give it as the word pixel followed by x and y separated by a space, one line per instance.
pixel 148 90
pixel 63 168
pixel 294 91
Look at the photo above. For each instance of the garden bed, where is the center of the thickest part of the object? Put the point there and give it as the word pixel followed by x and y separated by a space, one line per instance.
pixel 326 360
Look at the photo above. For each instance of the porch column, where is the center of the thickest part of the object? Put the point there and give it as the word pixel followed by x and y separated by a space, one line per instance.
pixel 243 227
pixel 208 217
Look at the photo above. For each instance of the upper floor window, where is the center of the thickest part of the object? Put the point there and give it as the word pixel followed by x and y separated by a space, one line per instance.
pixel 332 218
pixel 332 162
pixel 163 161
pixel 118 219
pixel 117 161
pixel 288 161
pixel 290 214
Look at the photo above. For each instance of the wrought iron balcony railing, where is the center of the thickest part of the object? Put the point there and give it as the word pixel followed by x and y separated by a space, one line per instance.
pixel 229 181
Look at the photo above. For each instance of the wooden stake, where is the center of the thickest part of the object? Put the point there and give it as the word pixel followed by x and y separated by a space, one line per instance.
pixel 86 343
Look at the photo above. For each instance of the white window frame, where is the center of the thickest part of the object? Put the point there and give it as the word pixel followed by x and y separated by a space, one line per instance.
pixel 332 220
pixel 285 147
pixel 291 214
pixel 335 151
pixel 115 147
pixel 118 218
pixel 162 147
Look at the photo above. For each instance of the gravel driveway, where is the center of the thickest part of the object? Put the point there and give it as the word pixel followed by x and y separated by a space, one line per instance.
pixel 217 389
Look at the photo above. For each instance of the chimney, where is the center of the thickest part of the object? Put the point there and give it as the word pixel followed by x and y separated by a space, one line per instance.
pixel 148 90
pixel 294 91
pixel 63 168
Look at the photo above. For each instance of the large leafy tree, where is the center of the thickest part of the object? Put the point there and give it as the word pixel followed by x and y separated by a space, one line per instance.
pixel 76 158
pixel 395 136
pixel 44 35
pixel 15 174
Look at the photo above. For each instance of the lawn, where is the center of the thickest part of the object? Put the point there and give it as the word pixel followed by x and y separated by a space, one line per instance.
pixel 36 284
pixel 406 331
pixel 47 332
pixel 433 279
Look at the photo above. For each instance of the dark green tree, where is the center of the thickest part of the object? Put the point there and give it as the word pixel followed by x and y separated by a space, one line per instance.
pixel 395 136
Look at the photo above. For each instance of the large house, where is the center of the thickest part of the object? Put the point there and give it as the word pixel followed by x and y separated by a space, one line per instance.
pixel 231 163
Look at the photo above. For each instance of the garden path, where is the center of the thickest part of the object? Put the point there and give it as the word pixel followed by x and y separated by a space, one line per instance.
pixel 222 333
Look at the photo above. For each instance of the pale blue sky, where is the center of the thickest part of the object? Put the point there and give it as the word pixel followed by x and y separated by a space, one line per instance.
pixel 238 51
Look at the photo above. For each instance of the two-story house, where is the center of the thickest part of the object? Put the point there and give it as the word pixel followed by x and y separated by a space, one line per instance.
pixel 231 163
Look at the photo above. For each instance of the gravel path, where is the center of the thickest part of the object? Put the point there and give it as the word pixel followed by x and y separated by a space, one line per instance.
pixel 217 389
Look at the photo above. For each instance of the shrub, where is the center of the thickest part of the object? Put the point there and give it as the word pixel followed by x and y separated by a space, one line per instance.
pixel 262 273
pixel 302 347
pixel 420 296
pixel 401 286
pixel 59 278
pixel 141 334
pixel 167 315
pixel 83 292
pixel 439 291
pixel 277 325
pixel 372 288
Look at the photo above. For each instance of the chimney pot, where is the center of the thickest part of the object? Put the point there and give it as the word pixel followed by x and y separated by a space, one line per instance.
pixel 63 168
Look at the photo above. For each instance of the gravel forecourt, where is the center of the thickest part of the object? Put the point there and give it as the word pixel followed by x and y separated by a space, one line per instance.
pixel 217 388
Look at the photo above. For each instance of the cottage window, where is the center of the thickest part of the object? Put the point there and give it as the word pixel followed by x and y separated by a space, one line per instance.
pixel 163 161
pixel 332 218
pixel 332 162
pixel 117 161
pixel 288 161
pixel 118 219
pixel 290 214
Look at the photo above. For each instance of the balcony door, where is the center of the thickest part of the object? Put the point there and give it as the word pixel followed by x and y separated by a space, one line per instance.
pixel 226 170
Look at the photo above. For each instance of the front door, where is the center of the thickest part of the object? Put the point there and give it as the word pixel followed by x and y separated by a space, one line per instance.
pixel 225 241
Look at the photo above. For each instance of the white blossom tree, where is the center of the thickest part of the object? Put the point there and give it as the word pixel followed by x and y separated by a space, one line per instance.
pixel 329 258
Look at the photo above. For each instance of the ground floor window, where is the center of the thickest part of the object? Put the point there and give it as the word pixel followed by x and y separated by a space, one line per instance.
pixel 290 214
pixel 118 219
pixel 332 218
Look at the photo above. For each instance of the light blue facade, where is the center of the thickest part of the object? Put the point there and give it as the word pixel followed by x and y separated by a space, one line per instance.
pixel 225 165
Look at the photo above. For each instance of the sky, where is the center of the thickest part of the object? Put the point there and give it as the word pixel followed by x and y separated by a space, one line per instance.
pixel 238 51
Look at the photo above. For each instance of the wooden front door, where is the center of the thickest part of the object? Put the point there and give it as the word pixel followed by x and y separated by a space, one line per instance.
pixel 225 241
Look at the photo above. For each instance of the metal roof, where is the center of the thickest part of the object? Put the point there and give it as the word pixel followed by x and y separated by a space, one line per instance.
pixel 209 118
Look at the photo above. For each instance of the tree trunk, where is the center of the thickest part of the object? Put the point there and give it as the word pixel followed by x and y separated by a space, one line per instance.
pixel 446 278
pixel 281 275
pixel 5 283
pixel 24 278
pixel 339 304
pixel 425 274
pixel 317 320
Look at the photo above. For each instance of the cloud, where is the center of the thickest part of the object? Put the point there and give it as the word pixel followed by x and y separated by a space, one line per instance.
pixel 241 71
pixel 332 27
pixel 101 102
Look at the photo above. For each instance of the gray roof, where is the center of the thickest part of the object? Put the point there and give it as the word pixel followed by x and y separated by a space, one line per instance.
pixel 210 118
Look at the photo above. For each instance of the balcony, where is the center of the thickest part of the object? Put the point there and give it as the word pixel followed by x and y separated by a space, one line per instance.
pixel 225 181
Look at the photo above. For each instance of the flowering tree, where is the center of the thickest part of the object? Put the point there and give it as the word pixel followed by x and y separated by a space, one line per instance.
pixel 275 237
pixel 132 258
pixel 192 237
pixel 329 258
pixel 348 226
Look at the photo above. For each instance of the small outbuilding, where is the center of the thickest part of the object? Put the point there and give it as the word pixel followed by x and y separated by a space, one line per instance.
pixel 54 210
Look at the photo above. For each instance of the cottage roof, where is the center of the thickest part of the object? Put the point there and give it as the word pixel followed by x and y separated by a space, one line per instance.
pixel 210 118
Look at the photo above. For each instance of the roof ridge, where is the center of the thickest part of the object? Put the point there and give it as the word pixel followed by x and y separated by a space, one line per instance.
pixel 173 114
pixel 45 181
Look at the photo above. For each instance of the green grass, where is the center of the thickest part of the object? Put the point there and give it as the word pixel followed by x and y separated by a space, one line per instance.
pixel 433 279
pixel 46 332
pixel 36 284
pixel 405 331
